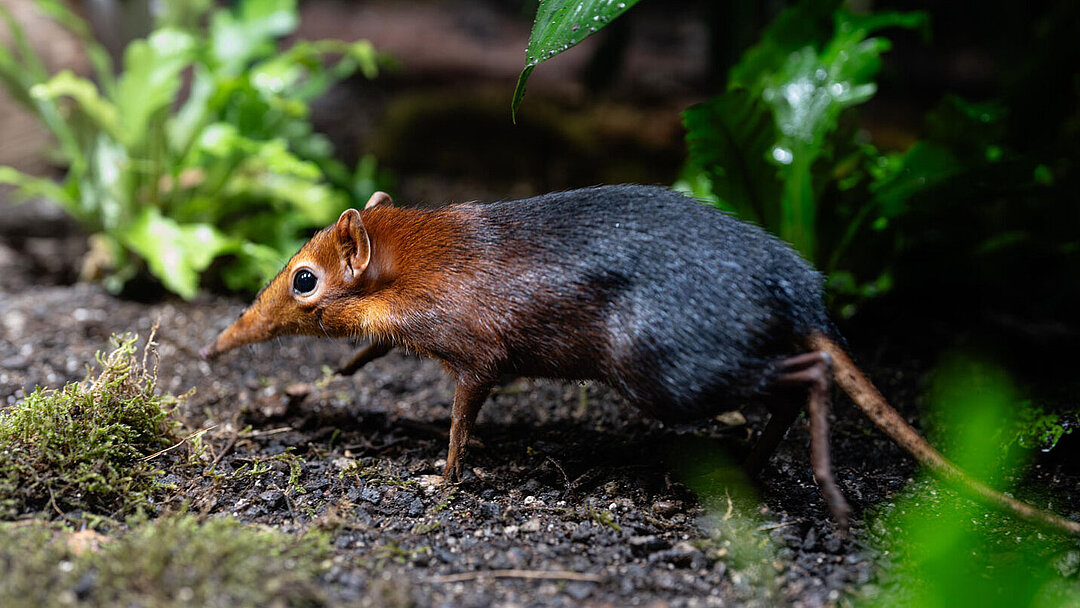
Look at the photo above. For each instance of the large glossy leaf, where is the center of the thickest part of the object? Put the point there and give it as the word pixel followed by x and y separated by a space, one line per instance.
pixel 175 253
pixel 560 24
pixel 728 138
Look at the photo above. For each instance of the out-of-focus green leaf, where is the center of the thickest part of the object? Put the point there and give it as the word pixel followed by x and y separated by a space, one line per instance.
pixel 975 400
pixel 148 178
pixel 277 159
pixel 318 203
pixel 301 72
pixel 183 14
pixel 805 24
pixel 29 186
pixel 249 33
pixel 561 24
pixel 67 84
pixel 106 188
pixel 728 137
pixel 151 79
pixel 175 253
pixel 923 166
pixel 256 266
pixel 224 140
pixel 23 64
pixel 185 125
pixel 947 550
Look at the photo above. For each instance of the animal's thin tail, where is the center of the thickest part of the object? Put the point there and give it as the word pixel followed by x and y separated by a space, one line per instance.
pixel 886 418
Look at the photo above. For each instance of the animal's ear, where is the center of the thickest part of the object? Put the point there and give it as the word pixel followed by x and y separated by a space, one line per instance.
pixel 378 198
pixel 353 243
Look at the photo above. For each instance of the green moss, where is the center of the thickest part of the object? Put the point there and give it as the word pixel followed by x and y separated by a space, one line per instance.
pixel 174 561
pixel 85 446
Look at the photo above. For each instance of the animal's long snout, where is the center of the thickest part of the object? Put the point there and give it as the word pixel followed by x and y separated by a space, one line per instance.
pixel 251 327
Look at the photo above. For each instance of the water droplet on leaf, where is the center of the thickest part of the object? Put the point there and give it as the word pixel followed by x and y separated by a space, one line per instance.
pixel 782 155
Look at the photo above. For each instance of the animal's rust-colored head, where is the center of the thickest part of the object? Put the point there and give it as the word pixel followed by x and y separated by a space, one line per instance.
pixel 327 268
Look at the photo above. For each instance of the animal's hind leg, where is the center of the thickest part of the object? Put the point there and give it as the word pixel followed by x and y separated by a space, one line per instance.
pixel 814 370
pixel 782 415
pixel 783 411
pixel 373 351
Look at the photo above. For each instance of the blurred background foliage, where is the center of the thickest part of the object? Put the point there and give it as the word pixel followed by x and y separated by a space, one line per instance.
pixel 197 145
pixel 951 552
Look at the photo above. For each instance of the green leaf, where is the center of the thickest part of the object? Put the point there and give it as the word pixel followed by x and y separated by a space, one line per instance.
pixel 224 140
pixel 29 186
pixel 561 24
pixel 317 203
pixel 249 34
pixel 808 23
pixel 923 166
pixel 807 94
pixel 728 137
pixel 67 84
pixel 107 189
pixel 28 62
pixel 175 253
pixel 255 265
pixel 151 80
pixel 185 126
pixel 302 72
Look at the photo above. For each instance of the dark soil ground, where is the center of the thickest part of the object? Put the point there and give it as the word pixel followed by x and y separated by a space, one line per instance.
pixel 563 481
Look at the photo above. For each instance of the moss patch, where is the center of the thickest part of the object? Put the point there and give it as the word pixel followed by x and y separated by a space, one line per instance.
pixel 177 560
pixel 85 446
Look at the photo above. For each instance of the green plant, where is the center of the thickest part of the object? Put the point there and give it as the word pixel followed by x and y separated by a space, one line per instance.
pixel 777 148
pixel 560 25
pixel 174 177
pixel 944 550
pixel 177 560
pixel 86 446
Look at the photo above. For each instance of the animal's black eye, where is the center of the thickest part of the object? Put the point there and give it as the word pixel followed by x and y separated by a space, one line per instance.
pixel 304 282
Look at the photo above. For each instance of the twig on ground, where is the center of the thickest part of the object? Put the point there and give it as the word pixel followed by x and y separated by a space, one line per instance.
pixel 553 575
pixel 197 433
pixel 225 450
pixel 782 524
pixel 282 429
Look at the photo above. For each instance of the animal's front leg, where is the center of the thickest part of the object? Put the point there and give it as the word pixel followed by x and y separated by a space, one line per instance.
pixel 814 370
pixel 373 351
pixel 469 396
